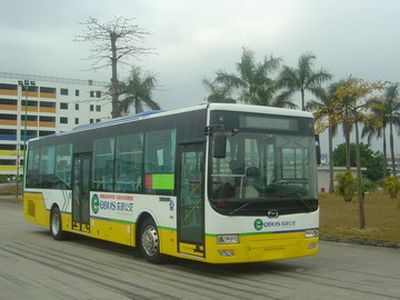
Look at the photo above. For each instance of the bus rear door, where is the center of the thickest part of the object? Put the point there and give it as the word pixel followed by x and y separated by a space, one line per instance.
pixel 81 192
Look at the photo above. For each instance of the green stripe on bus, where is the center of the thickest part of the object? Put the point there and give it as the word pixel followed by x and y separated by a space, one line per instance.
pixel 163 181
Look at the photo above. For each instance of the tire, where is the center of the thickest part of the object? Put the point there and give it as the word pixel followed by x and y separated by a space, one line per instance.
pixel 56 224
pixel 149 242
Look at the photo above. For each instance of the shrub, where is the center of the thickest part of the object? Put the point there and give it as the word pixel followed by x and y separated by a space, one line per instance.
pixel 391 186
pixel 369 185
pixel 346 185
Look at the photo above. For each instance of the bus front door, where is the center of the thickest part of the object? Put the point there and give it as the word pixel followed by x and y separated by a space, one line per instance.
pixel 81 192
pixel 191 199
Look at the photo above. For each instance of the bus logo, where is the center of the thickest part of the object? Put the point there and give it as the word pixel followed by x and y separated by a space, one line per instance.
pixel 272 214
pixel 95 203
pixel 258 224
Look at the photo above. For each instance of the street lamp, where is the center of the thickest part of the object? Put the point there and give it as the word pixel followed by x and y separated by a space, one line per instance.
pixel 25 85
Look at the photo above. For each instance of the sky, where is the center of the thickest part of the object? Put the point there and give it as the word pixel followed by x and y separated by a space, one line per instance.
pixel 194 38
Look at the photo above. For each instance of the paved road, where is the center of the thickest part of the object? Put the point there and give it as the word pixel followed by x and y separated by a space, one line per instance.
pixel 33 266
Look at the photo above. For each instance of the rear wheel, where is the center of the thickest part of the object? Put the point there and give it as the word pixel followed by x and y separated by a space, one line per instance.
pixel 56 224
pixel 149 241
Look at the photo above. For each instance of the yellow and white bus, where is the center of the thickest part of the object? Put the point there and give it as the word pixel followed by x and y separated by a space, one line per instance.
pixel 218 183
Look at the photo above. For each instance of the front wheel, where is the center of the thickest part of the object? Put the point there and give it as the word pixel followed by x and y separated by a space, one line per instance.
pixel 150 242
pixel 56 224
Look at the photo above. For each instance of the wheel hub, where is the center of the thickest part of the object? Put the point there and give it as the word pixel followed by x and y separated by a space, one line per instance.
pixel 150 240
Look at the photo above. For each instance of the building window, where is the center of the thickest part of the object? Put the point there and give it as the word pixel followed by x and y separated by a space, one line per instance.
pixel 8 147
pixel 76 121
pixel 8 101
pixel 98 107
pixel 64 92
pixel 30 103
pixel 98 120
pixel 91 93
pixel 5 86
pixel 44 89
pixel 7 162
pixel 47 104
pixel 63 120
pixel 29 118
pixel 76 106
pixel 63 105
pixel 44 132
pixel 8 117
pixel 47 119
pixel 77 93
pixel 91 121
pixel 91 107
pixel 98 94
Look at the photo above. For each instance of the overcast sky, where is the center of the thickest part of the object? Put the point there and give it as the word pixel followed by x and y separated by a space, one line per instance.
pixel 194 38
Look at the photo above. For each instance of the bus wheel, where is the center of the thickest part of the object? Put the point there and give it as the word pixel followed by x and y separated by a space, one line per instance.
pixel 55 224
pixel 150 241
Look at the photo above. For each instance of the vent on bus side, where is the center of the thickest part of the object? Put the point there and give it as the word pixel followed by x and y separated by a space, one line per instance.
pixel 31 208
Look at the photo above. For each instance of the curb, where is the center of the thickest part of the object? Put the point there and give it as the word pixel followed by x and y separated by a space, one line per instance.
pixel 375 243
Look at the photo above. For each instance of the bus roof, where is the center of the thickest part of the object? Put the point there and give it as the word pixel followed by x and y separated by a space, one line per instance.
pixel 211 106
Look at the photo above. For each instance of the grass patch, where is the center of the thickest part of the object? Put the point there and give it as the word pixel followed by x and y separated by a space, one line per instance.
pixel 340 219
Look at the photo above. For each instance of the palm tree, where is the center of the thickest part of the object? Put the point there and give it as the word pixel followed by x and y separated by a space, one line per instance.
pixel 327 108
pixel 302 79
pixel 253 83
pixel 391 104
pixel 137 92
pixel 218 93
pixel 375 126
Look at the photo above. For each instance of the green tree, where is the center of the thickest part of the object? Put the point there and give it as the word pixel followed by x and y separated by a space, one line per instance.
pixel 345 185
pixel 326 114
pixel 391 106
pixel 218 93
pixel 137 92
pixel 371 160
pixel 301 79
pixel 375 126
pixel 391 186
pixel 252 83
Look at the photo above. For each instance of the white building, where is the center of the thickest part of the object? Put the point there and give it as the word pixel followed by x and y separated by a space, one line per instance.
pixel 323 176
pixel 53 105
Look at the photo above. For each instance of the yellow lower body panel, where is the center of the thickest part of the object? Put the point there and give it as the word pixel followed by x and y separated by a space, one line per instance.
pixel 35 210
pixel 261 247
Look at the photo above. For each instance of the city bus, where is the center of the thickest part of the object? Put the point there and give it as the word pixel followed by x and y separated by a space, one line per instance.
pixel 217 183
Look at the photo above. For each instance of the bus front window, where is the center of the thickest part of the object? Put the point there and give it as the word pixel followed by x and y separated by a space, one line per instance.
pixel 263 171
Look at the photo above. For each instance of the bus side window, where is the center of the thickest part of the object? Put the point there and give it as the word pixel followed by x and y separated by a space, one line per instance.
pixel 160 162
pixel 103 166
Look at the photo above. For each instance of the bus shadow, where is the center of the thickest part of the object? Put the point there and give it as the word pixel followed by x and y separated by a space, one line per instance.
pixel 184 265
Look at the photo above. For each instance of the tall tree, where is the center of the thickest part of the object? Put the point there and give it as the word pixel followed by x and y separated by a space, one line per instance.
pixel 253 83
pixel 218 93
pixel 375 126
pixel 391 104
pixel 112 44
pixel 357 91
pixel 326 114
pixel 303 79
pixel 137 92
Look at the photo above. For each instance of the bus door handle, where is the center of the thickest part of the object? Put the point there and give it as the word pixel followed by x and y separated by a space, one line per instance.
pixel 164 199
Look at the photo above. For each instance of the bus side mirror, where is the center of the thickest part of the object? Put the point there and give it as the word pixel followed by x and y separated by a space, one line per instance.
pixel 318 149
pixel 219 150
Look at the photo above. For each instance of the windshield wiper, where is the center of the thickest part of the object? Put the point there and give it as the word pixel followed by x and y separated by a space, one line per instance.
pixel 239 208
pixel 301 200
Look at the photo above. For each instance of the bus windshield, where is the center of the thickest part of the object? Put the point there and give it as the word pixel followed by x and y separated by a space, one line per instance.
pixel 265 169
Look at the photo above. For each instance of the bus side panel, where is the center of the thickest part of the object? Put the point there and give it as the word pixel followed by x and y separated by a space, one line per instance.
pixel 35 210
pixel 113 231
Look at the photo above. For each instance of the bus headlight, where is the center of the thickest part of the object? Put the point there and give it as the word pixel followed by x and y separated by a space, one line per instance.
pixel 311 233
pixel 227 239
